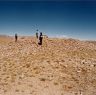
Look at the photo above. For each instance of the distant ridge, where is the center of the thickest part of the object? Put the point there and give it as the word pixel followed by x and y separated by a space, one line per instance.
pixel 4 36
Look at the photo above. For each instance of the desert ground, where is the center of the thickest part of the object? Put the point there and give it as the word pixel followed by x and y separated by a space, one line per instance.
pixel 58 67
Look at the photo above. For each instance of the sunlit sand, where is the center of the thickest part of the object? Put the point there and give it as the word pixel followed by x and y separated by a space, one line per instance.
pixel 58 67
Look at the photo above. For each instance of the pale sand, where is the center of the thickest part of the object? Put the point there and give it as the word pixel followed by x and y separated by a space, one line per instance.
pixel 58 67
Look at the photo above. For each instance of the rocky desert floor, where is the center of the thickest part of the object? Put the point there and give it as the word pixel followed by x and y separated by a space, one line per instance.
pixel 58 67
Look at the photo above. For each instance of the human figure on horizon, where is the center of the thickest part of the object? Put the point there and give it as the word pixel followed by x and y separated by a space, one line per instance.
pixel 40 39
pixel 16 37
pixel 37 35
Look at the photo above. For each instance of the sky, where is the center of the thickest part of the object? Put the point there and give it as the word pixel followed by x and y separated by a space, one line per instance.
pixel 57 18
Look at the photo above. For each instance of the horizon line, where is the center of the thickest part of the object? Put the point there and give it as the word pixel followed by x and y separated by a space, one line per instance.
pixel 53 37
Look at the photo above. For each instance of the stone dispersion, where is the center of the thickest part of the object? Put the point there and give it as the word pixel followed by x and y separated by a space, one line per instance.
pixel 58 67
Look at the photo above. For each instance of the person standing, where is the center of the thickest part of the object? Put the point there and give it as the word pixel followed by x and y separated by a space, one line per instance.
pixel 37 35
pixel 16 37
pixel 40 38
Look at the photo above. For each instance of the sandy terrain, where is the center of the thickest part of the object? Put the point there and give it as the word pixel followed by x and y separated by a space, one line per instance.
pixel 58 67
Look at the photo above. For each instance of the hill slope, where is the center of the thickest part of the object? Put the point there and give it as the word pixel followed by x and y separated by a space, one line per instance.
pixel 58 67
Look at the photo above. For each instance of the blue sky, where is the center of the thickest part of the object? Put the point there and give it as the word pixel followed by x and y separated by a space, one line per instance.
pixel 75 19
